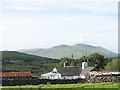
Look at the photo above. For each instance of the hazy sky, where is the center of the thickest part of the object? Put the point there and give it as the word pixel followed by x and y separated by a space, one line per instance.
pixel 26 24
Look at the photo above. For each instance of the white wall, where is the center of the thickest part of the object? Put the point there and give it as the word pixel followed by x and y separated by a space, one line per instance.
pixel 51 76
pixel 54 70
pixel 84 65
pixel 56 76
pixel 70 77
pixel 85 76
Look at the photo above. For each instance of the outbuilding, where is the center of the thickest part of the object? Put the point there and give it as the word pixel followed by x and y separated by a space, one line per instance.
pixel 15 75
pixel 69 72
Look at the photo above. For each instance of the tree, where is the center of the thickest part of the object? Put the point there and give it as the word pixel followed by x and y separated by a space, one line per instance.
pixel 69 61
pixel 97 60
pixel 113 65
pixel 92 59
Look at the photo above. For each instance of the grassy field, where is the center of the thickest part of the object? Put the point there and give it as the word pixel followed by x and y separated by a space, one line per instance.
pixel 25 66
pixel 105 86
pixel 50 64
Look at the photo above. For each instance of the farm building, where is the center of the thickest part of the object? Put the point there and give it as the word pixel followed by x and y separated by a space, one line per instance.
pixel 69 72
pixel 104 73
pixel 115 73
pixel 15 75
pixel 99 73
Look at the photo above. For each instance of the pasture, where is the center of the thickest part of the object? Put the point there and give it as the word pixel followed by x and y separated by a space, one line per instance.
pixel 105 86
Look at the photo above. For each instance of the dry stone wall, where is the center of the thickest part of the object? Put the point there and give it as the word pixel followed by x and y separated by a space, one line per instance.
pixel 36 81
pixel 104 79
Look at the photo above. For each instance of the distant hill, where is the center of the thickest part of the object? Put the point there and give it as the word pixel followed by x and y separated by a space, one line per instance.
pixel 14 55
pixel 17 61
pixel 77 50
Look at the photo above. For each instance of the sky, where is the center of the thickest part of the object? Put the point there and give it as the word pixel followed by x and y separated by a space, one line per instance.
pixel 27 24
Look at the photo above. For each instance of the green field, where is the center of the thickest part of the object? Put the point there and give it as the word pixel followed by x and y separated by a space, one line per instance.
pixel 13 61
pixel 50 64
pixel 105 86
pixel 25 66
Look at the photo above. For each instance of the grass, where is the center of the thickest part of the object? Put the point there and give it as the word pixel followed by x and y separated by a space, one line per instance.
pixel 24 66
pixel 50 64
pixel 63 86
pixel 100 85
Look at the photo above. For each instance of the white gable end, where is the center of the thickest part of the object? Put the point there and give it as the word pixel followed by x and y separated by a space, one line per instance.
pixel 54 70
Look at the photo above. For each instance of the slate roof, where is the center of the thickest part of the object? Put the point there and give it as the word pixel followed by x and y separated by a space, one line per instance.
pixel 86 70
pixel 49 74
pixel 69 71
pixel 14 74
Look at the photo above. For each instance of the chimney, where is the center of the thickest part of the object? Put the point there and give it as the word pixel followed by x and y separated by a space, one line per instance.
pixel 72 60
pixel 84 65
pixel 65 63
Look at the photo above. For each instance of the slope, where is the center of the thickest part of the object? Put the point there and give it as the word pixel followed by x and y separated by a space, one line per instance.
pixel 77 50
pixel 16 61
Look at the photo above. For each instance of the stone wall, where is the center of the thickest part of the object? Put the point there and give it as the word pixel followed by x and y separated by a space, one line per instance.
pixel 104 79
pixel 36 81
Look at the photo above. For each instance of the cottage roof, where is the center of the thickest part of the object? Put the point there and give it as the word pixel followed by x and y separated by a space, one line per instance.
pixel 49 74
pixel 14 74
pixel 69 71
pixel 86 70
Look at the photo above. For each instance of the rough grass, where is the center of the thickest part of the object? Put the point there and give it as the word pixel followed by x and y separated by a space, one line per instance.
pixel 100 85
pixel 105 86
pixel 50 64
pixel 25 66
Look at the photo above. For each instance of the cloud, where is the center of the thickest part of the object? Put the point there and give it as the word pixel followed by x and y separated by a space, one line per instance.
pixel 59 1
pixel 25 8
pixel 51 5
pixel 49 31
pixel 45 23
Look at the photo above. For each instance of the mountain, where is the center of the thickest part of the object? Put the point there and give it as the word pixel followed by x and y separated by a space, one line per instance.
pixel 17 61
pixel 77 50
pixel 14 55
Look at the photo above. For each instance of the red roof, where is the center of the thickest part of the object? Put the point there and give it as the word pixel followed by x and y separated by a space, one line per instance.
pixel 103 71
pixel 14 74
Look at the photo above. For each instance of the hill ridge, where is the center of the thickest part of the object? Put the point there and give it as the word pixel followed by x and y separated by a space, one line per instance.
pixel 64 50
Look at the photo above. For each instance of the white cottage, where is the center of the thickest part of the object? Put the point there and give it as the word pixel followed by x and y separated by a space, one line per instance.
pixel 69 72
pixel 85 73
